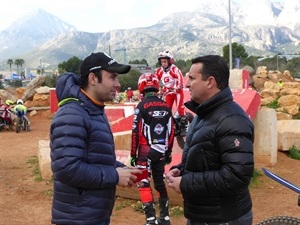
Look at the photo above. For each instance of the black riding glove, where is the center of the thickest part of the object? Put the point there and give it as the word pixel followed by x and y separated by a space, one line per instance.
pixel 168 157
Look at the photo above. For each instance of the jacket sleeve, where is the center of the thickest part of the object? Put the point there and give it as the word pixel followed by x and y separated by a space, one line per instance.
pixel 159 73
pixel 171 134
pixel 136 131
pixel 234 143
pixel 176 73
pixel 69 135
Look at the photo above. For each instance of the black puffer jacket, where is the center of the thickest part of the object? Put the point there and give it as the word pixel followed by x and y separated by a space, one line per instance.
pixel 217 162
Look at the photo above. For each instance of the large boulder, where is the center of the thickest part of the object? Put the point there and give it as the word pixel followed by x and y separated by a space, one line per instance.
pixel 32 86
pixel 5 95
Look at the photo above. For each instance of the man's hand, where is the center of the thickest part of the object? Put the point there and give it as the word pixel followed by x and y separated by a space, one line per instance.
pixel 173 178
pixel 168 157
pixel 127 176
pixel 133 160
pixel 174 182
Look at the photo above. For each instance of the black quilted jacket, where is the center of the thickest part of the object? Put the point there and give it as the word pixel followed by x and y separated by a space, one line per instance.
pixel 217 162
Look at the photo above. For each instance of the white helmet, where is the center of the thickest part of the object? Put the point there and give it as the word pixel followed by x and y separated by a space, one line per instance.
pixel 20 102
pixel 166 55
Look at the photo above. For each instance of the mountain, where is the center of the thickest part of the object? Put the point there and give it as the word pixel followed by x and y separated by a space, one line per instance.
pixel 30 31
pixel 264 29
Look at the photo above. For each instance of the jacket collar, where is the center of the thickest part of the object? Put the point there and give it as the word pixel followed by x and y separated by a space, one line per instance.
pixel 210 104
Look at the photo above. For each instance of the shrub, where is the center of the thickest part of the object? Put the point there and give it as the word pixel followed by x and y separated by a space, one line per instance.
pixel 294 153
pixel 274 104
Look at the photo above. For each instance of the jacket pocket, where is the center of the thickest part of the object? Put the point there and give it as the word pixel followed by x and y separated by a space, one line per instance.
pixel 196 159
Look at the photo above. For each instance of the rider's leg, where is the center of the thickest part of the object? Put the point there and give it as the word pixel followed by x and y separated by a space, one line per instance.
pixel 180 101
pixel 170 98
pixel 158 169
pixel 145 190
pixel 181 110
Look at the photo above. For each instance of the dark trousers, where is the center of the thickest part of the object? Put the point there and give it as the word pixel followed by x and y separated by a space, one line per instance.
pixel 243 220
pixel 154 161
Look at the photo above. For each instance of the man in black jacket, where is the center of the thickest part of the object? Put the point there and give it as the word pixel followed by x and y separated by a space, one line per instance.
pixel 217 162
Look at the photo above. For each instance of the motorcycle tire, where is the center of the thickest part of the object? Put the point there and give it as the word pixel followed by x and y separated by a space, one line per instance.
pixel 18 125
pixel 24 127
pixel 181 138
pixel 1 124
pixel 27 126
pixel 280 220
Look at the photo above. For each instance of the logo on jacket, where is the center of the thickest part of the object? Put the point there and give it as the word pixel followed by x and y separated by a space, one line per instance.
pixel 136 111
pixel 236 143
pixel 158 114
pixel 158 129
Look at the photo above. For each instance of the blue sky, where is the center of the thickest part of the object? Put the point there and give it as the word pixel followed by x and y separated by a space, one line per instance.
pixel 99 15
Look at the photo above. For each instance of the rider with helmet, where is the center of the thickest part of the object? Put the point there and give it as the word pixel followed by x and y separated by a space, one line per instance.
pixel 151 146
pixel 21 110
pixel 172 79
pixel 129 94
pixel 5 113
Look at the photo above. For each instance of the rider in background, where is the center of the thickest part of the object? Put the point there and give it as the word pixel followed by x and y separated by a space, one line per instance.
pixel 172 79
pixel 129 93
pixel 21 110
pixel 151 146
pixel 5 112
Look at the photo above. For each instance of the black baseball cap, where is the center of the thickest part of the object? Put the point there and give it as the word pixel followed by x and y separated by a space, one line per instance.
pixel 102 61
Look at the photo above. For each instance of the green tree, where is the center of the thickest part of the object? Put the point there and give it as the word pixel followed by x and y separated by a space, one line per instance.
pixel 293 65
pixel 40 71
pixel 129 80
pixel 238 51
pixel 19 62
pixel 136 61
pixel 250 61
pixel 50 81
pixel 183 65
pixel 144 61
pixel 71 65
pixel 10 62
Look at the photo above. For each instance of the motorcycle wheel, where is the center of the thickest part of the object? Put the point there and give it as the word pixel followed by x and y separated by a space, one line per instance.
pixel 1 124
pixel 18 125
pixel 27 126
pixel 280 220
pixel 182 138
pixel 24 125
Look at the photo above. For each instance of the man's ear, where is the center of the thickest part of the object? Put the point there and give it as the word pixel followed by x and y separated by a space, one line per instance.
pixel 92 79
pixel 211 82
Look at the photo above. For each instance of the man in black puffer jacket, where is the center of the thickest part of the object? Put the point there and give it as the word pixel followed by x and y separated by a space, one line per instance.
pixel 217 162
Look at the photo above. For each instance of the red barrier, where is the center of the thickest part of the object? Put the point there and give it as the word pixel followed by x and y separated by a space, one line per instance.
pixel 248 99
pixel 114 114
pixel 53 101
pixel 124 124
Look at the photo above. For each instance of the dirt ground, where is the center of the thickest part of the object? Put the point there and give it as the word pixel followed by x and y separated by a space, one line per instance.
pixel 24 201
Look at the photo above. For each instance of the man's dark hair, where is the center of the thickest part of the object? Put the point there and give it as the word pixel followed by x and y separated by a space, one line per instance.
pixel 84 79
pixel 214 65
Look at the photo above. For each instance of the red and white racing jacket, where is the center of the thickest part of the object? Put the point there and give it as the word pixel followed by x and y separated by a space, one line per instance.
pixel 171 78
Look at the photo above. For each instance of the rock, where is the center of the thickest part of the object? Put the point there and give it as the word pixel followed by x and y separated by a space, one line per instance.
pixel 5 95
pixel 41 99
pixel 32 85
pixel 43 90
pixel 288 100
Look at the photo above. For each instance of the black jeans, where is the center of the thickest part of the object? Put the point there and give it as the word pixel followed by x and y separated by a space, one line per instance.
pixel 243 220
